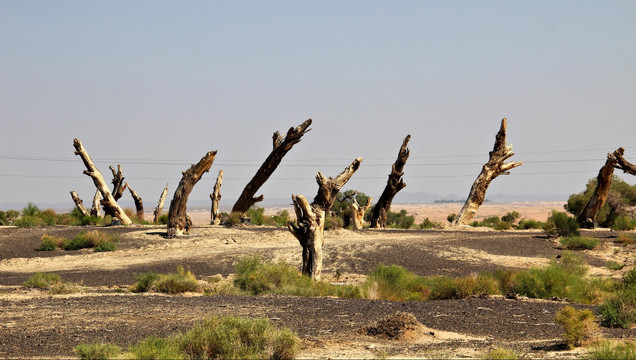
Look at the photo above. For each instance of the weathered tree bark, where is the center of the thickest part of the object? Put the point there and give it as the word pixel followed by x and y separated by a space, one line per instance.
pixel 79 204
pixel 282 144
pixel 494 167
pixel 309 228
pixel 357 212
pixel 119 186
pixel 393 185
pixel 215 196
pixel 95 207
pixel 178 221
pixel 615 160
pixel 159 208
pixel 139 204
pixel 108 202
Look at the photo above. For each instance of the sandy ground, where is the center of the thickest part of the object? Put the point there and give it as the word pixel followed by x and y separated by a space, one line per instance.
pixel 34 324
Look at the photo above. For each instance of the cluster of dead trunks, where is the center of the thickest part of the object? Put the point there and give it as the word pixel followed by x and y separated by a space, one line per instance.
pixel 310 217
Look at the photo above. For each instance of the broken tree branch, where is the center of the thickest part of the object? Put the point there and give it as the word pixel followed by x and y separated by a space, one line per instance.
pixel 79 203
pixel 159 208
pixel 139 205
pixel 215 196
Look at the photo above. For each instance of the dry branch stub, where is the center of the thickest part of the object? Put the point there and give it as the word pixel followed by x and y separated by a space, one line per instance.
pixel 178 221
pixel 139 205
pixel 309 228
pixel 281 145
pixel 159 208
pixel 495 166
pixel 215 196
pixel 394 184
pixel 95 207
pixel 111 206
pixel 119 186
pixel 79 203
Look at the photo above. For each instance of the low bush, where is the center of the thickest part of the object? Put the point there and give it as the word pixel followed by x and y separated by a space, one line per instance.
pixel 428 224
pixel 50 243
pixel 144 282
pixel 609 350
pixel 619 310
pixel 623 223
pixel 625 239
pixel 96 351
pixel 629 279
pixel 163 219
pixel 281 218
pixel 394 283
pixel 232 219
pixel 613 265
pixel 42 280
pixel 501 354
pixel 579 242
pixel 179 282
pixel 525 224
pixel 451 217
pixel 333 222
pixel 560 224
pixel 92 239
pixel 443 287
pixel 578 325
pixel 154 347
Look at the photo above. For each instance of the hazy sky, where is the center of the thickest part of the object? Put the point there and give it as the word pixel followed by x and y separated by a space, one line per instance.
pixel 154 85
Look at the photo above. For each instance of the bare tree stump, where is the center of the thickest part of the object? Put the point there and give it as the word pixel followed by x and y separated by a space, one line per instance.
pixel 215 196
pixel 139 204
pixel 178 221
pixel 282 144
pixel 119 186
pixel 96 205
pixel 309 228
pixel 495 166
pixel 615 160
pixel 159 208
pixel 357 212
pixel 393 185
pixel 79 203
pixel 108 202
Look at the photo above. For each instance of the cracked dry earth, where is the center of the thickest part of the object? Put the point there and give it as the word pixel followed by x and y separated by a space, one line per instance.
pixel 36 325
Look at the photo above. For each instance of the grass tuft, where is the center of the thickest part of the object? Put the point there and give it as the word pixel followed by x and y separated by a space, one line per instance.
pixel 578 325
pixel 501 354
pixel 42 280
pixel 573 242
pixel 609 350
pixel 175 283
pixel 96 351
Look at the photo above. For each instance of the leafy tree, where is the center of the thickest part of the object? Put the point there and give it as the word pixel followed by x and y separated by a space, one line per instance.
pixel 342 206
pixel 621 195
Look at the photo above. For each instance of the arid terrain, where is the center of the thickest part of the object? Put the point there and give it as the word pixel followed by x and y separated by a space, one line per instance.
pixel 37 325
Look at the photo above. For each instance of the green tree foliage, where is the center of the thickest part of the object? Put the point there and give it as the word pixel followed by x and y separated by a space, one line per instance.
pixel 621 195
pixel 560 224
pixel 342 206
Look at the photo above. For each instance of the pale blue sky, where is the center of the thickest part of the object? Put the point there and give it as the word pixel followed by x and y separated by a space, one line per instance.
pixel 153 85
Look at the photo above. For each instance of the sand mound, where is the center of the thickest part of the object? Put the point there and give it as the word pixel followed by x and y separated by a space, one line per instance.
pixel 398 326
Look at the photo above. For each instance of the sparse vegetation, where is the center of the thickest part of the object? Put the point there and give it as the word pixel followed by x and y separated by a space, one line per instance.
pixel 144 282
pixel 179 282
pixel 560 224
pixel 613 265
pixel 619 309
pixel 578 325
pixel 97 240
pixel 428 224
pixel 579 242
pixel 621 195
pixel 96 351
pixel 610 350
pixel 51 282
pixel 501 354
pixel 525 224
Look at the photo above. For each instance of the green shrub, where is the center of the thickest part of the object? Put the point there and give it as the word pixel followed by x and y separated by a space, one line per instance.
pixel 92 239
pixel 560 224
pixel 31 210
pixel 608 350
pixel 490 221
pixel 579 242
pixel 501 354
pixel 27 221
pixel 399 220
pixel 154 347
pixel 96 351
pixel 578 325
pixel 233 219
pixel 144 282
pixel 42 280
pixel 281 218
pixel 619 310
pixel 428 224
pixel 511 217
pixel 621 195
pixel 163 219
pixel 333 222
pixel 451 217
pixel 179 282
pixel 623 223
pixel 625 239
pixel 529 224
pixel 50 243
pixel 503 225
pixel 394 283
pixel 629 279
pixel 613 265
pixel 442 287
pixel 232 337
pixel 257 215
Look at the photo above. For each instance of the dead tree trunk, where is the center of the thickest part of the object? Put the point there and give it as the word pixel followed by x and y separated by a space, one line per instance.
pixel 494 167
pixel 393 185
pixel 215 196
pixel 119 186
pixel 95 206
pixel 159 208
pixel 79 204
pixel 587 217
pixel 178 221
pixel 282 144
pixel 309 228
pixel 357 212
pixel 108 202
pixel 139 205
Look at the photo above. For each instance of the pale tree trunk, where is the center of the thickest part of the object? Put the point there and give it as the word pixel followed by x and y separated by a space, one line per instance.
pixel 95 207
pixel 159 208
pixel 139 204
pixel 178 221
pixel 108 202
pixel 393 185
pixel 587 217
pixel 495 166
pixel 281 145
pixel 79 203
pixel 119 186
pixel 357 211
pixel 309 228
pixel 215 196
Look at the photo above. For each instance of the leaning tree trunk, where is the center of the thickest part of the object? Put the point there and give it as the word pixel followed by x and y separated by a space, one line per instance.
pixel 495 166
pixel 119 186
pixel 393 185
pixel 159 208
pixel 108 202
pixel 95 207
pixel 357 212
pixel 79 203
pixel 309 228
pixel 282 144
pixel 587 217
pixel 178 221
pixel 216 197
pixel 139 204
